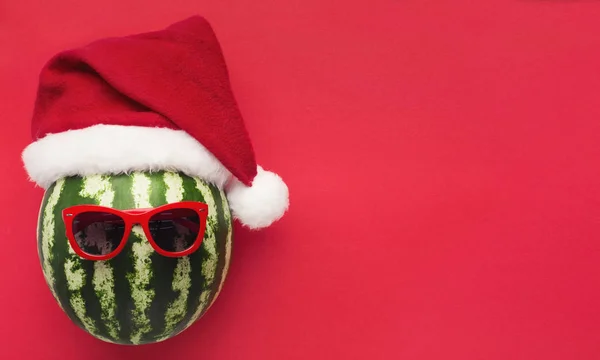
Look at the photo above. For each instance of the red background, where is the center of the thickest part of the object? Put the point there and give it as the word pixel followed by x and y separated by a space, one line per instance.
pixel 443 166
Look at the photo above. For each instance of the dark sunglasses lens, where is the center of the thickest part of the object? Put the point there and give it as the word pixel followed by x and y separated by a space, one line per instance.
pixel 98 233
pixel 175 230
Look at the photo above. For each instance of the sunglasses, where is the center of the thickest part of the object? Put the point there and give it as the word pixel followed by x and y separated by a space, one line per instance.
pixel 100 233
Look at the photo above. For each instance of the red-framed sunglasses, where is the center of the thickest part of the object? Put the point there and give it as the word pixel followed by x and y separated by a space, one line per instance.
pixel 100 233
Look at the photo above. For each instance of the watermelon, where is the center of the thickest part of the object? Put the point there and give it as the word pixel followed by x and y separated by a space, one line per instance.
pixel 139 296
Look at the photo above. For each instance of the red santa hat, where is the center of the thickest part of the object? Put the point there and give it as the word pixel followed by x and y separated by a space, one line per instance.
pixel 153 101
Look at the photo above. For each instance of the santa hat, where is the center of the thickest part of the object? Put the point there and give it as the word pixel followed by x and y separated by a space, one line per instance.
pixel 152 101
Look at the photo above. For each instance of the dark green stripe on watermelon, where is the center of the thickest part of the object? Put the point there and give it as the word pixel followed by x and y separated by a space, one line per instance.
pixel 196 259
pixel 92 301
pixel 163 279
pixel 221 236
pixel 60 249
pixel 122 263
pixel 40 231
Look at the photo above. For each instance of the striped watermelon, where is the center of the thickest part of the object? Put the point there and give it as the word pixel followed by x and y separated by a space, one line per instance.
pixel 139 296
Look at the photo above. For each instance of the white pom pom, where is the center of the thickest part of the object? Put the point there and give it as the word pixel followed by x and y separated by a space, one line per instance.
pixel 261 204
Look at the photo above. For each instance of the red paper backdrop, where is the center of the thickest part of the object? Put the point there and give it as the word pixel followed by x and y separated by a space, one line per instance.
pixel 443 161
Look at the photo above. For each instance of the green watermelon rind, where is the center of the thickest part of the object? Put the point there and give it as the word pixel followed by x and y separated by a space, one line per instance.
pixel 139 296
